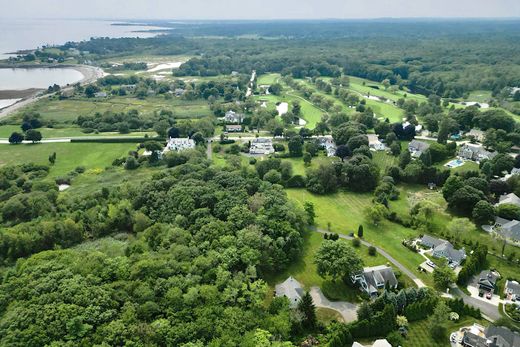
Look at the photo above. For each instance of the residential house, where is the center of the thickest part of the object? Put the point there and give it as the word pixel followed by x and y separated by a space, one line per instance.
pixel 478 135
pixel 416 148
pixel 514 171
pixel 179 145
pixel 291 289
pixel 510 198
pixel 509 229
pixel 262 146
pixel 444 249
pixel 328 144
pixel 232 117
pixel 233 128
pixel 377 343
pixel 373 279
pixel 475 152
pixel 492 336
pixel 100 95
pixel 374 143
pixel 512 290
pixel 179 92
pixel 487 281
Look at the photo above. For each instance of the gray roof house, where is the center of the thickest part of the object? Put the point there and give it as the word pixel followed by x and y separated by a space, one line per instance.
pixel 512 289
pixel 510 198
pixel 416 148
pixel 232 117
pixel 444 249
pixel 374 143
pixel 488 280
pixel 291 289
pixel 372 279
pixel 476 134
pixel 494 336
pixel 509 230
pixel 475 152
pixel 261 146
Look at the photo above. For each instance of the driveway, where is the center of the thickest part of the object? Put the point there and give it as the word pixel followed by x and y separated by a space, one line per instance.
pixel 488 310
pixel 381 251
pixel 347 310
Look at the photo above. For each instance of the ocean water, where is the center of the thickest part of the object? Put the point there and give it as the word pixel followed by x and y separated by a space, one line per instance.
pixel 20 34
pixel 19 79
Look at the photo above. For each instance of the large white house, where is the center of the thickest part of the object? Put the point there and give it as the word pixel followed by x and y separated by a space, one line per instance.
pixel 373 279
pixel 261 146
pixel 179 144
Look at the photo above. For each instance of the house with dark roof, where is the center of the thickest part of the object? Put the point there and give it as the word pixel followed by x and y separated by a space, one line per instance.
pixel 291 289
pixel 487 281
pixel 444 249
pixel 373 279
pixel 493 336
pixel 475 152
pixel 508 229
pixel 416 148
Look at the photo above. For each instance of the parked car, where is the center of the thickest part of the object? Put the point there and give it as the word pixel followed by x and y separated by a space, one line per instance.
pixel 431 263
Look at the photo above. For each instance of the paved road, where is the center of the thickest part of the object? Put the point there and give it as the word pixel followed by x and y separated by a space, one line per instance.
pixel 381 251
pixel 489 311
pixel 347 310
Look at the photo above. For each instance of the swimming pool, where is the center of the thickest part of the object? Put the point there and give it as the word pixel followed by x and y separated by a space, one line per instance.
pixel 454 163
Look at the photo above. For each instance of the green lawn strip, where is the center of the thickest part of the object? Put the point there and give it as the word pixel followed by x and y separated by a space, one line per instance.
pixel 66 111
pixel 345 212
pixel 356 84
pixel 384 160
pixel 327 315
pixel 299 167
pixel 49 133
pixel 68 155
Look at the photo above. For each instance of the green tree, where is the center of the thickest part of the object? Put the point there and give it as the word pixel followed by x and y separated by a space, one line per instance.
pixel 438 320
pixel 33 135
pixel 483 212
pixel 295 146
pixel 308 310
pixel 360 231
pixel 337 260
pixel 443 276
pixel 404 159
pixel 376 213
pixel 309 210
pixel 16 138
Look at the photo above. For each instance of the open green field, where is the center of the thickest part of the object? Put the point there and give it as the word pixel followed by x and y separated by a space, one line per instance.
pixel 366 87
pixel 345 212
pixel 310 112
pixel 267 79
pixel 479 96
pixel 49 133
pixel 299 167
pixel 68 155
pixel 66 111
pixel 384 160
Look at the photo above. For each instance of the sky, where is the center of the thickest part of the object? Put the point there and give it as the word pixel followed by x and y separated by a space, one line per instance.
pixel 257 9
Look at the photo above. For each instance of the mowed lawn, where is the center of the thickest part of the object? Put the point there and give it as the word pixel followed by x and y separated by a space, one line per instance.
pixel 66 111
pixel 310 113
pixel 268 79
pixel 68 155
pixel 365 86
pixel 345 212
pixel 49 133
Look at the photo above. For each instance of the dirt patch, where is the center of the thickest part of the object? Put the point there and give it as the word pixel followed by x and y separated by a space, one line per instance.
pixel 18 94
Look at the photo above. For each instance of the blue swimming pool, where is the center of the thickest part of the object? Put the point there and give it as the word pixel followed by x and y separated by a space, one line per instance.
pixel 454 163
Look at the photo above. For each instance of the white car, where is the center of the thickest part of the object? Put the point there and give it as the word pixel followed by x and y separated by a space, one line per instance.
pixel 431 263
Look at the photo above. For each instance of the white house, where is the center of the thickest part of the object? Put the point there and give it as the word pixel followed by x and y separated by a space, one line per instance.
pixel 232 117
pixel 179 144
pixel 374 143
pixel 328 144
pixel 261 146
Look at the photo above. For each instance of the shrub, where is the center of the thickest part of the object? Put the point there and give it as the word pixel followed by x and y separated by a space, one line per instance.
pixel 356 243
pixel 372 251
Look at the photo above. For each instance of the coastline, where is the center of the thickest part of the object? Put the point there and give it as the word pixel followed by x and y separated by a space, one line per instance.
pixel 28 96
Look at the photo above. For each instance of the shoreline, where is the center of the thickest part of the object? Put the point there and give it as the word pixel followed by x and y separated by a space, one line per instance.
pixel 28 96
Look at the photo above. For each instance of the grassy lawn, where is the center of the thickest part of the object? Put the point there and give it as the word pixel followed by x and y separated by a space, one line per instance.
pixel 365 86
pixel 419 332
pixel 69 155
pixel 345 212
pixel 299 167
pixel 304 270
pixel 66 111
pixel 384 160
pixel 268 79
pixel 327 315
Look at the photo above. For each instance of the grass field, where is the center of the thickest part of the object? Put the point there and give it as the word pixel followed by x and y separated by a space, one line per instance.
pixel 384 160
pixel 68 155
pixel 365 87
pixel 268 79
pixel 327 315
pixel 345 212
pixel 299 167
pixel 66 111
